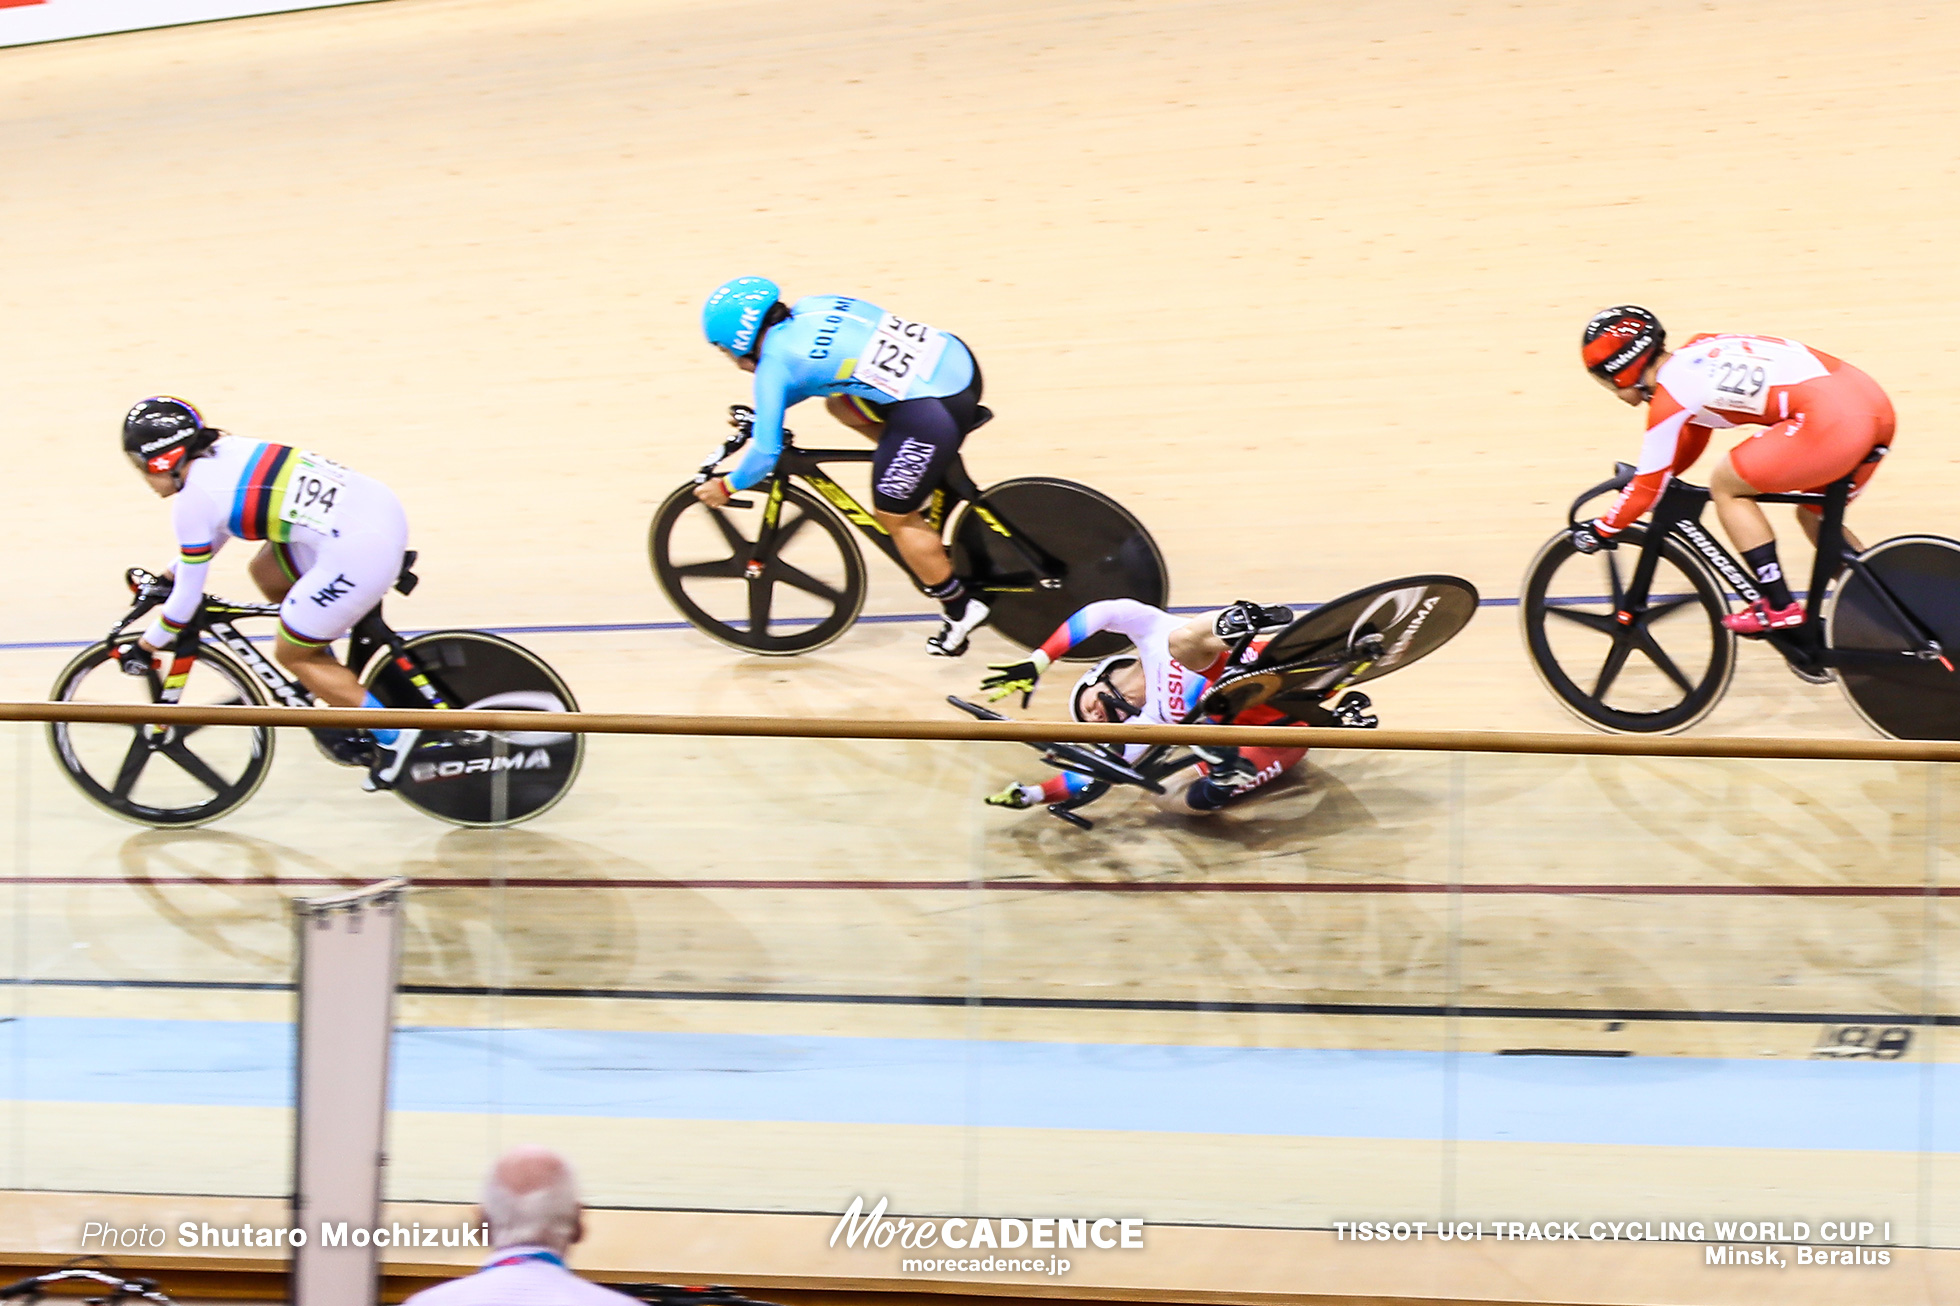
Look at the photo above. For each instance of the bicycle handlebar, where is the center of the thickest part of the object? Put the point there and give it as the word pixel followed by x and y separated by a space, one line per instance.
pixel 152 589
pixel 1622 476
pixel 673 1294
pixel 120 1289
pixel 742 418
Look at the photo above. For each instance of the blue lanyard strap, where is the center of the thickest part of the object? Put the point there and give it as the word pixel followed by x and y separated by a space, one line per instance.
pixel 552 1257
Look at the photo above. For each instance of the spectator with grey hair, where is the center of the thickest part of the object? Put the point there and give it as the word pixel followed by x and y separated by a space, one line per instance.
pixel 531 1204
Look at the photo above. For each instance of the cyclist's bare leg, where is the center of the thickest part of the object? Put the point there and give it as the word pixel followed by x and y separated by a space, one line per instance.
pixel 317 668
pixel 1196 643
pixel 918 544
pixel 1742 517
pixel 268 575
pixel 1812 521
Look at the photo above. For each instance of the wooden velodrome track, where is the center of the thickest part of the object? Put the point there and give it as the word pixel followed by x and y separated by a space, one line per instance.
pixel 1299 284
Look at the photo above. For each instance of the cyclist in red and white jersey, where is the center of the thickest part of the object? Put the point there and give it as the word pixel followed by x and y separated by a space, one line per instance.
pixel 1172 665
pixel 1822 420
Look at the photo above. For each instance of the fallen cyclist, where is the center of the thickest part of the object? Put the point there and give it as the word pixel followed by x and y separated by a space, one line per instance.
pixel 1162 681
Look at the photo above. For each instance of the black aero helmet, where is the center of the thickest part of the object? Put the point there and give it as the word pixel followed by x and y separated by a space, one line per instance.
pixel 161 432
pixel 1620 342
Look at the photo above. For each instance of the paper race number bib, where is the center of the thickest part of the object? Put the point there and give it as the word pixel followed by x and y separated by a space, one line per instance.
pixel 898 355
pixel 1741 384
pixel 313 492
pixel 1741 371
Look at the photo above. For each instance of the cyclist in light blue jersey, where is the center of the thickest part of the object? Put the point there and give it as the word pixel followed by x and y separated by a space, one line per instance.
pixel 913 389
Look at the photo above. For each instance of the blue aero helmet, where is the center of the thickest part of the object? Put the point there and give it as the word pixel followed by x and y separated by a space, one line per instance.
pixel 732 318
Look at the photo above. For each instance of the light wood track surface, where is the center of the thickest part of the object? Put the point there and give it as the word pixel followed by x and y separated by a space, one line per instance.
pixel 1299 284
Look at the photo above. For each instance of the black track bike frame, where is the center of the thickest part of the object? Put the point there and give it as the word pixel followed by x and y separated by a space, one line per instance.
pixel 1677 513
pixel 957 487
pixel 213 621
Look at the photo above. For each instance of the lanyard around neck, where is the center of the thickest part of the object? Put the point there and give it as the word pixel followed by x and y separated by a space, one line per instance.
pixel 552 1257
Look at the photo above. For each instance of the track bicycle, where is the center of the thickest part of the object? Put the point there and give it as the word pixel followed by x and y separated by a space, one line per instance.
pixel 1631 639
pixel 179 776
pixel 776 572
pixel 1353 639
pixel 120 1290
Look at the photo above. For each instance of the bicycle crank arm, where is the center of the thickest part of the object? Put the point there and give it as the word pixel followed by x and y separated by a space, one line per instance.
pixel 1871 657
pixel 1079 822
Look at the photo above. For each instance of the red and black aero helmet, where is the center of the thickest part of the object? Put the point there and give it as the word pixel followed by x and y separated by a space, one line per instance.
pixel 160 432
pixel 1620 342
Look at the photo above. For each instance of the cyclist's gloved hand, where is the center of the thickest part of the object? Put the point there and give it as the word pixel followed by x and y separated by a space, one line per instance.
pixel 1592 537
pixel 1020 797
pixel 135 659
pixel 1015 678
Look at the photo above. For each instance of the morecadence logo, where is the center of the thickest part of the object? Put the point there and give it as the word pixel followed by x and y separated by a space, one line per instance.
pixel 981 1238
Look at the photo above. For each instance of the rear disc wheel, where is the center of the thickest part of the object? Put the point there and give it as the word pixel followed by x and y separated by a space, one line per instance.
pixel 476 777
pixel 1900 695
pixel 1085 547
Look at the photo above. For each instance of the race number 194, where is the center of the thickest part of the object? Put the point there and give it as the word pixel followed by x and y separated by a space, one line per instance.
pixel 313 492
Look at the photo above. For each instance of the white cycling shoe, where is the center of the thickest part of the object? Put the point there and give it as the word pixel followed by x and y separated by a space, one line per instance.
pixel 389 760
pixel 950 640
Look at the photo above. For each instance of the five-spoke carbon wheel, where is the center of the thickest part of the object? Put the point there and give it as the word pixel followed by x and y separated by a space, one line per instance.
pixel 1653 668
pixel 168 777
pixel 777 591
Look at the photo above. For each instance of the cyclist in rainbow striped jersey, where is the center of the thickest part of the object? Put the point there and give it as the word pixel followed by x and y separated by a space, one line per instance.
pixel 333 543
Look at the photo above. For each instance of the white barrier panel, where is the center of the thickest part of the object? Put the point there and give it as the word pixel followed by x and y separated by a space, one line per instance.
pixel 27 22
pixel 349 952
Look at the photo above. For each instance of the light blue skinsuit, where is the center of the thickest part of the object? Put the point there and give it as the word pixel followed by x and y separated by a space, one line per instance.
pixel 813 352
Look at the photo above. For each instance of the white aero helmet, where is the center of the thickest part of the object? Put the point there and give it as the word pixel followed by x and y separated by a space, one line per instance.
pixel 1119 708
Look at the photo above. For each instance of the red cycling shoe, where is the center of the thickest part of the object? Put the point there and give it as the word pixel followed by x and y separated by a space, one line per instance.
pixel 1760 618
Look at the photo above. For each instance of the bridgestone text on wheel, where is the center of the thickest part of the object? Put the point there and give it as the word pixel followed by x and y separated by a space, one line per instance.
pixel 1659 671
pixel 798 594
